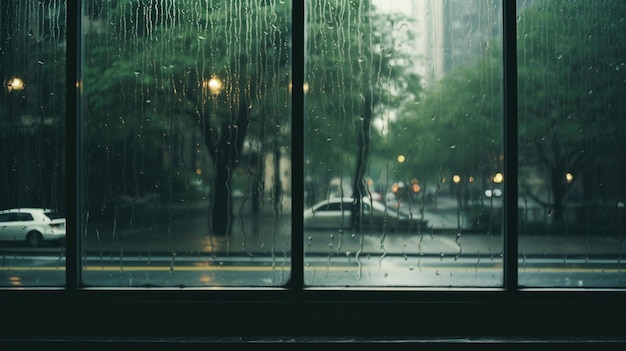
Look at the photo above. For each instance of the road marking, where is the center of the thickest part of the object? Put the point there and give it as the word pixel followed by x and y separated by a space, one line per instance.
pixel 249 268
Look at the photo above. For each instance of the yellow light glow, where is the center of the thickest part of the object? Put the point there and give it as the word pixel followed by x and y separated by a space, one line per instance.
pixel 498 178
pixel 456 179
pixel 395 188
pixel 401 158
pixel 305 87
pixel 213 86
pixel 15 84
pixel 569 178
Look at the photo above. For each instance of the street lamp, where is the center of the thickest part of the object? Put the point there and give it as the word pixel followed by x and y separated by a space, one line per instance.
pixel 15 84
pixel 213 86
pixel 498 178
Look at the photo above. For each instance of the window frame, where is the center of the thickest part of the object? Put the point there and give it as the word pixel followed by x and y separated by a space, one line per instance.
pixel 294 313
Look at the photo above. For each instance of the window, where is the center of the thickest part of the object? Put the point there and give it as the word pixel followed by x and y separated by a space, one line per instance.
pixel 452 160
pixel 5 217
pixel 25 217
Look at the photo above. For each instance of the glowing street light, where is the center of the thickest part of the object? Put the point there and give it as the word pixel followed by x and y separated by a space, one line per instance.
pixel 415 186
pixel 15 84
pixel 498 178
pixel 213 86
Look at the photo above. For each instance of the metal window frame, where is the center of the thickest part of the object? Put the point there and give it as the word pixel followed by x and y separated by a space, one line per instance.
pixel 438 318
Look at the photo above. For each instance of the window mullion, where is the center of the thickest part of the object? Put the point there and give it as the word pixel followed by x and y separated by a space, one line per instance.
pixel 510 145
pixel 72 186
pixel 297 147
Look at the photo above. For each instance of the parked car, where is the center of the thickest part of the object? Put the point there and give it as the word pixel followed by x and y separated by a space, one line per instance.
pixel 31 225
pixel 336 213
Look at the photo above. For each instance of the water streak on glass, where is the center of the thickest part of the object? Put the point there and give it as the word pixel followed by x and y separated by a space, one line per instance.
pixel 403 144
pixel 571 163
pixel 32 134
pixel 187 127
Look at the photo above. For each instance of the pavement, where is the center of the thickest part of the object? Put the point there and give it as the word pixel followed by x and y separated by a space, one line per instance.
pixel 183 230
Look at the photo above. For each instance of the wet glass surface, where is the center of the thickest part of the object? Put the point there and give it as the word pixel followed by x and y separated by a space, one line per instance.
pixel 186 134
pixel 32 135
pixel 403 122
pixel 571 88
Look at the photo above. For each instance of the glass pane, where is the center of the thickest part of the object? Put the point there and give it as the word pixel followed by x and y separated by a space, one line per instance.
pixel 185 143
pixel 403 145
pixel 572 84
pixel 32 166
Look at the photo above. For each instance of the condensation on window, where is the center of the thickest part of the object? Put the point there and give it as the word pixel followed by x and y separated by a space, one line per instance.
pixel 572 83
pixel 403 144
pixel 185 143
pixel 32 135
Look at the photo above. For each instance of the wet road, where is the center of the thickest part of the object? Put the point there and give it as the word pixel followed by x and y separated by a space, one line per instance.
pixel 176 251
pixel 320 271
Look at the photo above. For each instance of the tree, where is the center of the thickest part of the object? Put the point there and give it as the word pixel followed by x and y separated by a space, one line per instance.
pixel 571 88
pixel 224 67
pixel 453 135
pixel 33 111
pixel 353 68
pixel 220 69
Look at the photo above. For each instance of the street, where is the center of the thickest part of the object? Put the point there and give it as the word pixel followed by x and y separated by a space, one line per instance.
pixel 320 271
pixel 470 260
pixel 175 249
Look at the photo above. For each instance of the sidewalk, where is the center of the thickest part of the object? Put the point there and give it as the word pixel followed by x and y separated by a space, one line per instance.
pixel 183 229
pixel 186 233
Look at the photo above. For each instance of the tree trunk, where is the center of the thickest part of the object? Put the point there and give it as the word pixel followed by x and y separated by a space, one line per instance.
pixel 220 211
pixel 559 190
pixel 364 138
pixel 225 145
pixel 257 169
pixel 277 182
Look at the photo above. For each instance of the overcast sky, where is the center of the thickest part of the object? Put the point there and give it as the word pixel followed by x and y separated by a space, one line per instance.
pixel 393 5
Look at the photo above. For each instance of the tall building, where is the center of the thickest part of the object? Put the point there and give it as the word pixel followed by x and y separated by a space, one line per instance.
pixel 446 32
pixel 457 32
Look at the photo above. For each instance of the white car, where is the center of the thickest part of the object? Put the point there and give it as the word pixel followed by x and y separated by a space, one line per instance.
pixel 31 225
pixel 336 213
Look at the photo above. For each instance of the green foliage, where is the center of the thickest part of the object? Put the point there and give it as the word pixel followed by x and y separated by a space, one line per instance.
pixel 33 115
pixel 571 88
pixel 572 85
pixel 456 129
pixel 354 73
pixel 571 82
pixel 148 64
pixel 146 86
